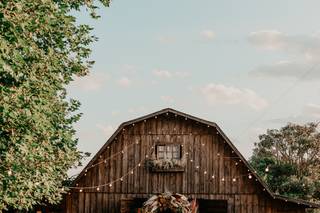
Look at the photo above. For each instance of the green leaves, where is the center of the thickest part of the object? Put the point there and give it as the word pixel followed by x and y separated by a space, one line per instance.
pixel 292 156
pixel 41 50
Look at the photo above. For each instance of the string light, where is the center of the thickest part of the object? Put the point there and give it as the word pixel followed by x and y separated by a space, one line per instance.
pixel 267 169
pixel 234 179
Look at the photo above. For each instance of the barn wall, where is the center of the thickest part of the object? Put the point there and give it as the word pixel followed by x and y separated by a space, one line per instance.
pixel 205 147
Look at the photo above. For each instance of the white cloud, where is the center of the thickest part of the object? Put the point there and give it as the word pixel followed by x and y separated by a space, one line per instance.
pixel 307 46
pixel 221 94
pixel 268 39
pixel 208 34
pixel 312 110
pixel 92 82
pixel 124 82
pixel 304 47
pixel 292 69
pixel 107 130
pixel 160 73
pixel 167 99
pixel 309 113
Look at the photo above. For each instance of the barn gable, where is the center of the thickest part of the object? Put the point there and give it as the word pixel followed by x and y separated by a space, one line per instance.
pixel 132 127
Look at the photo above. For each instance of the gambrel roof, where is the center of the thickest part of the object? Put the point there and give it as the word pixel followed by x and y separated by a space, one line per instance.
pixel 210 124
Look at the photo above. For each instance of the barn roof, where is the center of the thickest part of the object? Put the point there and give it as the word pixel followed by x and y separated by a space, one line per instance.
pixel 209 123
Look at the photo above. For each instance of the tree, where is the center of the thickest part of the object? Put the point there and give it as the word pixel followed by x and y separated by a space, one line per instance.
pixel 288 159
pixel 41 50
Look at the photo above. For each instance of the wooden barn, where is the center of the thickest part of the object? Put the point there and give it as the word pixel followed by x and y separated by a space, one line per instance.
pixel 172 151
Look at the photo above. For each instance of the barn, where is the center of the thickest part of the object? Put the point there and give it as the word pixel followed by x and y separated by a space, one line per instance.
pixel 170 151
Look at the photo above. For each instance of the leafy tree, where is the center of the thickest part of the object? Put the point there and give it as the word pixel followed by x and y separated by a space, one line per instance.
pixel 288 159
pixel 41 50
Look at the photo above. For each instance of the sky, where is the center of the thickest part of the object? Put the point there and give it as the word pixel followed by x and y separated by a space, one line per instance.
pixel 247 65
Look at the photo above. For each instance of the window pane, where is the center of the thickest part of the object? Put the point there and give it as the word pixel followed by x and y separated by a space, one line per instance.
pixel 175 148
pixel 176 155
pixel 160 155
pixel 161 148
pixel 172 151
pixel 169 155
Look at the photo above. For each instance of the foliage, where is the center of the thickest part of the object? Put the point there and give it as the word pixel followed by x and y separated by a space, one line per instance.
pixel 288 159
pixel 41 50
pixel 166 163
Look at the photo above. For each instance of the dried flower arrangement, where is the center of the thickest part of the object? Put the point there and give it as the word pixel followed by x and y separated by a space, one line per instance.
pixel 167 202
pixel 166 164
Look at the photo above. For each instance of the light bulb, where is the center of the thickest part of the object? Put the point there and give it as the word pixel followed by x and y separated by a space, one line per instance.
pixel 98 188
pixel 250 176
pixel 212 176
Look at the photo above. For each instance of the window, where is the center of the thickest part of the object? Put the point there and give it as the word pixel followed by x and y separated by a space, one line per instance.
pixel 171 151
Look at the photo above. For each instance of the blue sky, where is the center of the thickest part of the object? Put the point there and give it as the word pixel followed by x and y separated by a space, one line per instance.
pixel 246 65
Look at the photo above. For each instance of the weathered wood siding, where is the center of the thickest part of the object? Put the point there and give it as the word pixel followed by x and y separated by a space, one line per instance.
pixel 205 147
